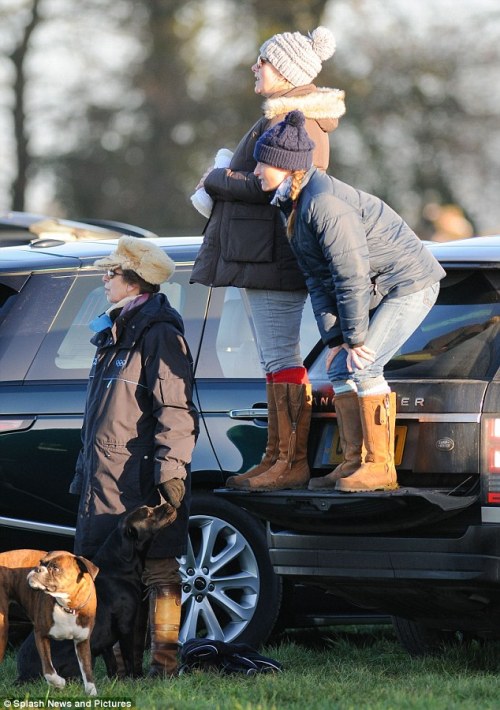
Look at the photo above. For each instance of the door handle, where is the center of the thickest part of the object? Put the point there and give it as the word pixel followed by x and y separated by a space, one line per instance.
pixel 252 413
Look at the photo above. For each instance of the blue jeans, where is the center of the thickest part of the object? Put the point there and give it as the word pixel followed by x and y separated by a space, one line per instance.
pixel 277 316
pixel 391 324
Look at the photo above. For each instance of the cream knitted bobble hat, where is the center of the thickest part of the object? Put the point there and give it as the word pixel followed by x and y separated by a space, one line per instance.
pixel 298 57
pixel 141 256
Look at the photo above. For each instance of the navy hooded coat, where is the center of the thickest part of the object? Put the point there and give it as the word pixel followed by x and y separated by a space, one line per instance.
pixel 140 425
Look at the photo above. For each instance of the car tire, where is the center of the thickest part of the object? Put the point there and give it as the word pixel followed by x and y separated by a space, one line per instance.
pixel 229 589
pixel 421 640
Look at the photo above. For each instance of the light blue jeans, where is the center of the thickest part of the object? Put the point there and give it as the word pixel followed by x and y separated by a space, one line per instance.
pixel 391 324
pixel 277 316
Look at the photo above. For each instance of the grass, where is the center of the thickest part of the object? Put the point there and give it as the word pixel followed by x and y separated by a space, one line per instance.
pixel 356 667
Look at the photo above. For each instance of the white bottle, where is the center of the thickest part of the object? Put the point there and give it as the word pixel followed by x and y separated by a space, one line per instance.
pixel 200 199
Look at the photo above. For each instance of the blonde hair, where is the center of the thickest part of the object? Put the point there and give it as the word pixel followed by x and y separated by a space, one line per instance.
pixel 295 188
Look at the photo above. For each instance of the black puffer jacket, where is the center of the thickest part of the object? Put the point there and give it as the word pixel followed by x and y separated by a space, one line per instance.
pixel 245 243
pixel 354 250
pixel 140 425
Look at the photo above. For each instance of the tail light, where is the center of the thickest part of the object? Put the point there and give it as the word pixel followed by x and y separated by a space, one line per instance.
pixel 491 461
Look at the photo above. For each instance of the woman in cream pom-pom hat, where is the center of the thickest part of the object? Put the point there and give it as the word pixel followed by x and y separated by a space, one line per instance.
pixel 245 243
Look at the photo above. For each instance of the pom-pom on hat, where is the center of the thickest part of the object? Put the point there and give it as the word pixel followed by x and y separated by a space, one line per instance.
pixel 286 145
pixel 142 256
pixel 298 57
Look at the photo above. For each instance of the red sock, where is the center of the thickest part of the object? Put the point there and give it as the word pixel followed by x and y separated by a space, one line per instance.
pixel 292 375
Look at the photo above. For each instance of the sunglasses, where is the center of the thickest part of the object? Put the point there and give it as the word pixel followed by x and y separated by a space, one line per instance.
pixel 111 273
pixel 260 62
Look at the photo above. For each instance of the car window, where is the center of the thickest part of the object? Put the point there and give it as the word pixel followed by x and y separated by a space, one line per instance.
pixel 76 351
pixel 47 334
pixel 66 351
pixel 459 339
pixel 235 343
pixel 25 317
pixel 9 289
pixel 229 348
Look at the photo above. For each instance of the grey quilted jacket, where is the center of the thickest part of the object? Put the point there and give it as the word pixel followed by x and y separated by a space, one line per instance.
pixel 354 250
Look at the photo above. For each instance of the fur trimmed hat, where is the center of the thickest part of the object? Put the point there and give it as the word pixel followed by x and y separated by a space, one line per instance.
pixel 286 145
pixel 298 57
pixel 142 256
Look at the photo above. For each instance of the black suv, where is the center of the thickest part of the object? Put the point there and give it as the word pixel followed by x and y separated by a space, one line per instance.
pixel 426 552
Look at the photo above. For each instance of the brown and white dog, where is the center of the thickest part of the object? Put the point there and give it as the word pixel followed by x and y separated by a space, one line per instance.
pixel 121 605
pixel 57 592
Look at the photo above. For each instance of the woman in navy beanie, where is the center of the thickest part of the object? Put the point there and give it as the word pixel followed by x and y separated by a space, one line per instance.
pixel 372 282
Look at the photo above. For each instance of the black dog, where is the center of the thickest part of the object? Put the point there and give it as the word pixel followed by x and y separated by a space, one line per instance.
pixel 119 599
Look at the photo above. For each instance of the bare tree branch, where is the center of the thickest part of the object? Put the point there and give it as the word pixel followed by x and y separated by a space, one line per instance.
pixel 18 57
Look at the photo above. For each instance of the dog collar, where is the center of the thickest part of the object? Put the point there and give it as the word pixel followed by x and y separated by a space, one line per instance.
pixel 68 609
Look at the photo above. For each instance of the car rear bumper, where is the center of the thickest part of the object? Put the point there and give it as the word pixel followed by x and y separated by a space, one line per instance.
pixel 442 582
pixel 472 556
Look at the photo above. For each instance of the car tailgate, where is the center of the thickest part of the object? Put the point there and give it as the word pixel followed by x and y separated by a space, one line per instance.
pixel 351 513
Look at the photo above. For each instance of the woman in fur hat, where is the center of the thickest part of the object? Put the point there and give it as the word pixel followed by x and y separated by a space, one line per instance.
pixel 245 245
pixel 372 282
pixel 139 428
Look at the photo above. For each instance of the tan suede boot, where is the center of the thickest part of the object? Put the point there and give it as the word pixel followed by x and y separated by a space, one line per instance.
pixel 291 470
pixel 351 441
pixel 164 620
pixel 272 449
pixel 378 419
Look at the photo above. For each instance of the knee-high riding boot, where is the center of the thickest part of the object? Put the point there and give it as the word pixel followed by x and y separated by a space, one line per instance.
pixel 291 470
pixel 272 449
pixel 351 441
pixel 164 620
pixel 378 419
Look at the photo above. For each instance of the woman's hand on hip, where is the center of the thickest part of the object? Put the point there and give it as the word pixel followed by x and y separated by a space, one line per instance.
pixel 356 356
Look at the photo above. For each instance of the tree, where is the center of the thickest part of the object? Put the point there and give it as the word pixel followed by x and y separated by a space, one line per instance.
pixel 56 53
pixel 20 38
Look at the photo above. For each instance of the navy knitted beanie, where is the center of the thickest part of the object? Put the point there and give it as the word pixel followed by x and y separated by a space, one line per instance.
pixel 286 145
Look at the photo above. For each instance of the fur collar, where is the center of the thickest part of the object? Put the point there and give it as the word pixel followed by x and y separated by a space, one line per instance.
pixel 320 104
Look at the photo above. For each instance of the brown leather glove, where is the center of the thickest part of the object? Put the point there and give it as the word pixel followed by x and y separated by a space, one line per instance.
pixel 173 491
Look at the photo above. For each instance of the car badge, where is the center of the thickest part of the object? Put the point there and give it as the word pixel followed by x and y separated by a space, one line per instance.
pixel 445 444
